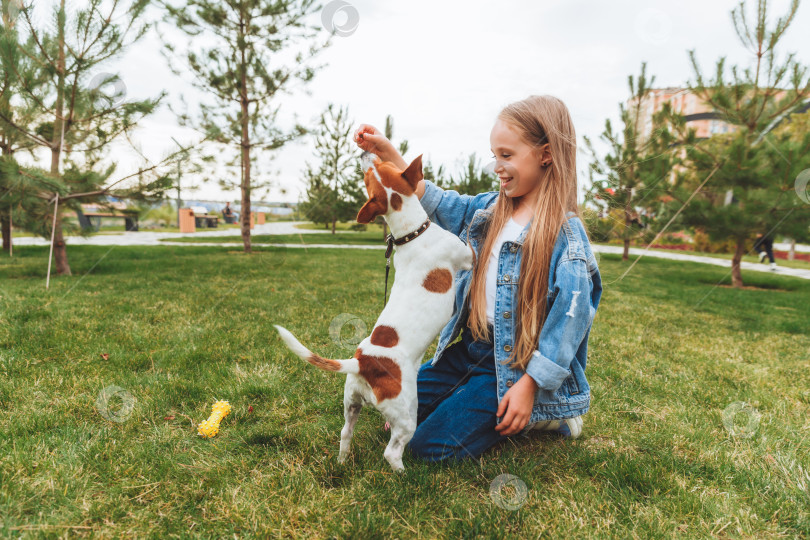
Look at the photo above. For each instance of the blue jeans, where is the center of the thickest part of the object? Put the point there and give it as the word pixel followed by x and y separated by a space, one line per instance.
pixel 457 402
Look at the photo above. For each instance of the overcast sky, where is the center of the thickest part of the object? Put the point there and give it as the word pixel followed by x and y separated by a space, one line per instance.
pixel 443 70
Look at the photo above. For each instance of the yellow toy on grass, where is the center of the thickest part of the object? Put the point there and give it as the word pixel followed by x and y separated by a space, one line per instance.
pixel 209 428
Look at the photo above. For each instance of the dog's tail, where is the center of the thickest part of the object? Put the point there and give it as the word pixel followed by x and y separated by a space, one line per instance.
pixel 350 365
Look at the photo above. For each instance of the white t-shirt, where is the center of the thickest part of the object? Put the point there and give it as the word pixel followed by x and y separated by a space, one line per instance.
pixel 510 232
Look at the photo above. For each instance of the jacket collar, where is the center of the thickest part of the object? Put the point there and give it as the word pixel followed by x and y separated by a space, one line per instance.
pixel 480 217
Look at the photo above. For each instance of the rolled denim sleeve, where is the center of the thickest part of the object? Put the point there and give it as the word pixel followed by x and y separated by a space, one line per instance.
pixel 451 210
pixel 565 327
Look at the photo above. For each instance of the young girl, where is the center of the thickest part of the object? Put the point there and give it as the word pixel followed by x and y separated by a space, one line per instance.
pixel 525 309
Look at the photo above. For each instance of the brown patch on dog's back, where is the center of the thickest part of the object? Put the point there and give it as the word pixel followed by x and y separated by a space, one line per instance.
pixel 438 280
pixel 384 336
pixel 323 363
pixel 381 373
pixel 396 201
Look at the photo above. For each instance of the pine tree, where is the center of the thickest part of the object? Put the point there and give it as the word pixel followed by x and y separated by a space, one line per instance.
pixel 73 119
pixel 436 176
pixel 791 139
pixel 389 134
pixel 742 183
pixel 635 167
pixel 13 140
pixel 333 188
pixel 237 61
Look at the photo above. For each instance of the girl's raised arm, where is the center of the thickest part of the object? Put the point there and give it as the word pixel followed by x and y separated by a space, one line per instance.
pixel 449 209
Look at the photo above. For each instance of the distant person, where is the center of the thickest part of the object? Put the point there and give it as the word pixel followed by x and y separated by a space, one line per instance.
pixel 764 245
pixel 227 213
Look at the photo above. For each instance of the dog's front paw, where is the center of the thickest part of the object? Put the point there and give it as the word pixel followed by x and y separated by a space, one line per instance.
pixel 467 263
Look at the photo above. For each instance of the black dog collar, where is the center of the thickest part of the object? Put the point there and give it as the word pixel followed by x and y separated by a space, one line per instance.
pixel 404 239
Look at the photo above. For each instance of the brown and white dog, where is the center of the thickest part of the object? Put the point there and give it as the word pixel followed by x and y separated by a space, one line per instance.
pixel 383 370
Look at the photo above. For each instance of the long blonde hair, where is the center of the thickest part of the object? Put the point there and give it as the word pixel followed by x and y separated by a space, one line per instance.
pixel 538 120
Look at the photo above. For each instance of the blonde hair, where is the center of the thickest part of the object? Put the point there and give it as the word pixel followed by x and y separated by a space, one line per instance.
pixel 538 120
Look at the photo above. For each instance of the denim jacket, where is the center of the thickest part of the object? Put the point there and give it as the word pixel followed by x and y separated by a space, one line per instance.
pixel 574 291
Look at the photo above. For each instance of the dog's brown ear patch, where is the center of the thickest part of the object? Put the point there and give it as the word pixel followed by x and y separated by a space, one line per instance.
pixel 413 174
pixel 323 363
pixel 381 373
pixel 384 336
pixel 396 201
pixel 438 280
pixel 377 203
pixel 371 210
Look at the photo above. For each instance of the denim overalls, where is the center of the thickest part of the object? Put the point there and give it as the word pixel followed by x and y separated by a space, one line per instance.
pixel 461 387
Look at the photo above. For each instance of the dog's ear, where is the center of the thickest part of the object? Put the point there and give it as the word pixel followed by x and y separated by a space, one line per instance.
pixel 413 174
pixel 370 211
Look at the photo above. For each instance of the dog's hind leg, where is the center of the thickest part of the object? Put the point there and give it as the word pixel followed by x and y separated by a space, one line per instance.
pixel 401 433
pixel 351 410
pixel 403 425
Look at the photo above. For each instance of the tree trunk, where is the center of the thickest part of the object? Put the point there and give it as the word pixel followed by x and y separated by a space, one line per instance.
pixel 5 224
pixel 245 102
pixel 59 249
pixel 245 216
pixel 736 274
pixel 334 221
pixel 626 252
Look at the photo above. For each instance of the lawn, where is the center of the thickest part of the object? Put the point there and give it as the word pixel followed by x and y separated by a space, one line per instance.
pixel 177 328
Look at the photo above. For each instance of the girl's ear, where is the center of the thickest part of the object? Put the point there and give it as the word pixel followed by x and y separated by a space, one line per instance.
pixel 543 154
pixel 413 174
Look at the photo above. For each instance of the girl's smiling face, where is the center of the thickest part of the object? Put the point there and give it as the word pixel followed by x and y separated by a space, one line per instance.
pixel 518 164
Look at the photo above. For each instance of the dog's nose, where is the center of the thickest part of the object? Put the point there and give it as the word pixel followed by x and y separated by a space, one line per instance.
pixel 367 160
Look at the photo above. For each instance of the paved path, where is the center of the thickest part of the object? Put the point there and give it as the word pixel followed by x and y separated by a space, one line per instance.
pixel 726 263
pixel 289 227
pixel 154 238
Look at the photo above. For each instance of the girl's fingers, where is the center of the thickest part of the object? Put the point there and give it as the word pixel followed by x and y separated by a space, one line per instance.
pixel 516 426
pixel 507 420
pixel 362 130
pixel 502 405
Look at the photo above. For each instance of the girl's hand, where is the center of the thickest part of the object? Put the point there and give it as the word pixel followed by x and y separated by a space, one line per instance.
pixel 369 139
pixel 517 404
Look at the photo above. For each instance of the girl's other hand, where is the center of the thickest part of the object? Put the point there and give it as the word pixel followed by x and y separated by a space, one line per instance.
pixel 516 406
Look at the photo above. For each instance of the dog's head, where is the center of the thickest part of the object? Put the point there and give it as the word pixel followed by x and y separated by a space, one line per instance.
pixel 399 184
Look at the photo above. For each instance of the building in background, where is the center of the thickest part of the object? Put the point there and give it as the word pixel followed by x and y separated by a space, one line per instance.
pixel 699 115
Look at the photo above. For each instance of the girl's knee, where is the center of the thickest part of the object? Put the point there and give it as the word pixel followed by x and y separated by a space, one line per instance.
pixel 438 448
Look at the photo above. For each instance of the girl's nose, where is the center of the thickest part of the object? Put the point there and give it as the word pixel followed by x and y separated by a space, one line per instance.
pixel 499 167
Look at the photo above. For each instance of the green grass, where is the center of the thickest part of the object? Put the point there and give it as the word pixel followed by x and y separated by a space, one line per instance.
pixel 185 326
